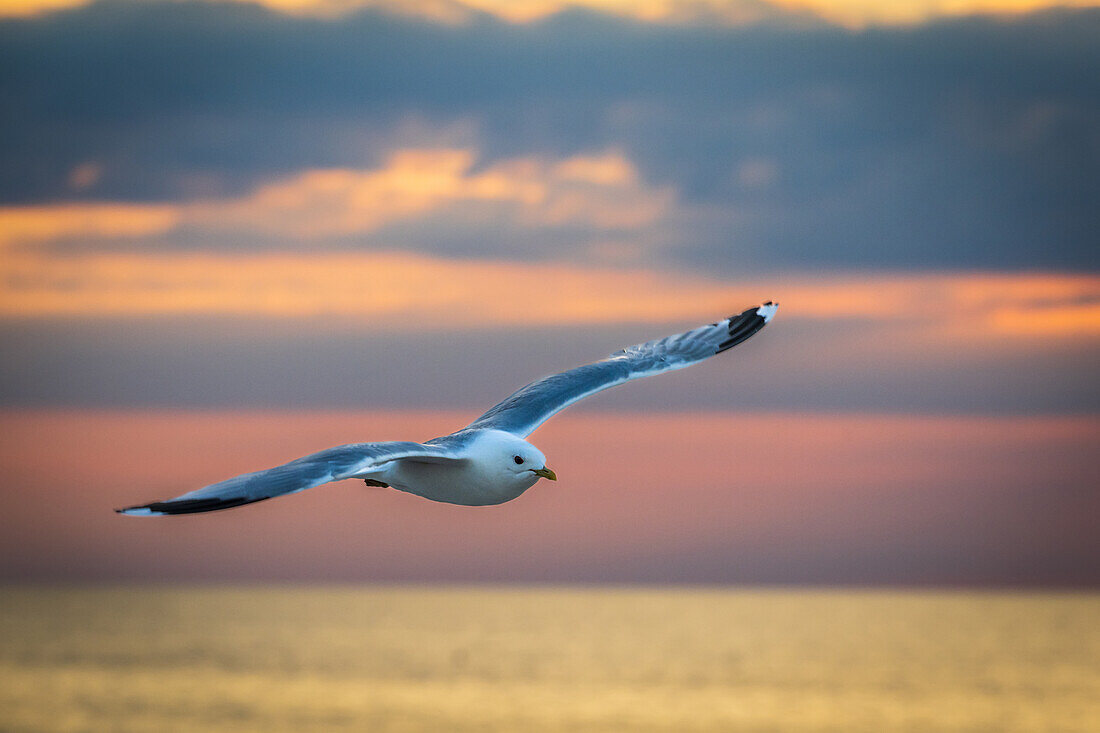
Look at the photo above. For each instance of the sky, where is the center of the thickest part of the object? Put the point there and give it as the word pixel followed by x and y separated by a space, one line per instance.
pixel 234 233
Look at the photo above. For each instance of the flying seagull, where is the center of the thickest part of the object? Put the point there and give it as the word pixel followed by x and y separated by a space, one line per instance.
pixel 486 462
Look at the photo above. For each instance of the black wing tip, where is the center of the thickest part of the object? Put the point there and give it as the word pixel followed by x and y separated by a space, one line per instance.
pixel 746 323
pixel 184 506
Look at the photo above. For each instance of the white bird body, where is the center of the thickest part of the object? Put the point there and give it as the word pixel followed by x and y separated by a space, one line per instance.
pixel 488 461
pixel 487 475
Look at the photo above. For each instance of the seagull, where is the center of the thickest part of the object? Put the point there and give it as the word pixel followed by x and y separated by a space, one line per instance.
pixel 488 461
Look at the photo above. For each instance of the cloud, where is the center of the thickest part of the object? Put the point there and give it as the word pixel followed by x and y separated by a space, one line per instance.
pixel 108 259
pixel 192 200
pixel 788 147
pixel 406 288
pixel 852 13
pixel 599 192
pixel 399 328
pixel 418 199
pixel 85 175
pixel 97 221
pixel 402 330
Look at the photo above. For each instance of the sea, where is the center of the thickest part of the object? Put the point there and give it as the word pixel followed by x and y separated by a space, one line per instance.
pixel 511 658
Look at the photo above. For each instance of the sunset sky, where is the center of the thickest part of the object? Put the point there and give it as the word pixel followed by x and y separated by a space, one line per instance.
pixel 234 233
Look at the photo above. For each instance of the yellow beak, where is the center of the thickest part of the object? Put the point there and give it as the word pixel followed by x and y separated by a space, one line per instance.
pixel 546 473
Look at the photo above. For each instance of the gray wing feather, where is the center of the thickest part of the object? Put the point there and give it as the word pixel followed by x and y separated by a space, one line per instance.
pixel 342 462
pixel 532 405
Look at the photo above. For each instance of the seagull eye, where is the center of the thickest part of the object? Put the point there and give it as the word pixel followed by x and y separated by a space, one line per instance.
pixel 518 460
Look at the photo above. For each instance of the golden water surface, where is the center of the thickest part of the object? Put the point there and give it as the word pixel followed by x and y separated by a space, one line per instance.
pixel 400 659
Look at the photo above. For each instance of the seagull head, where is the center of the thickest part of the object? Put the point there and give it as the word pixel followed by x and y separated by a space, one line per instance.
pixel 513 459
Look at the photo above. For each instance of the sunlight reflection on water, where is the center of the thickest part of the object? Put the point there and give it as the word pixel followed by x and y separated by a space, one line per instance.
pixel 331 659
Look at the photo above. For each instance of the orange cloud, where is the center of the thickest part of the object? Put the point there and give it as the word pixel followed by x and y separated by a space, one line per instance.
pixel 853 13
pixel 19 8
pixel 34 224
pixel 403 290
pixel 1050 319
pixel 600 191
pixel 384 288
pixel 1004 302
pixel 860 13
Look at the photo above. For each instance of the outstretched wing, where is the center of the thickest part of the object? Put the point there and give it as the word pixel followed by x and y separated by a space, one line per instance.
pixel 532 405
pixel 345 461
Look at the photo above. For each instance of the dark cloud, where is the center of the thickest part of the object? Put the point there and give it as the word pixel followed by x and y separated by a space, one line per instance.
pixel 964 143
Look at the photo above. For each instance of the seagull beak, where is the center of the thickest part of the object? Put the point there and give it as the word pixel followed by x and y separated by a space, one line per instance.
pixel 545 472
